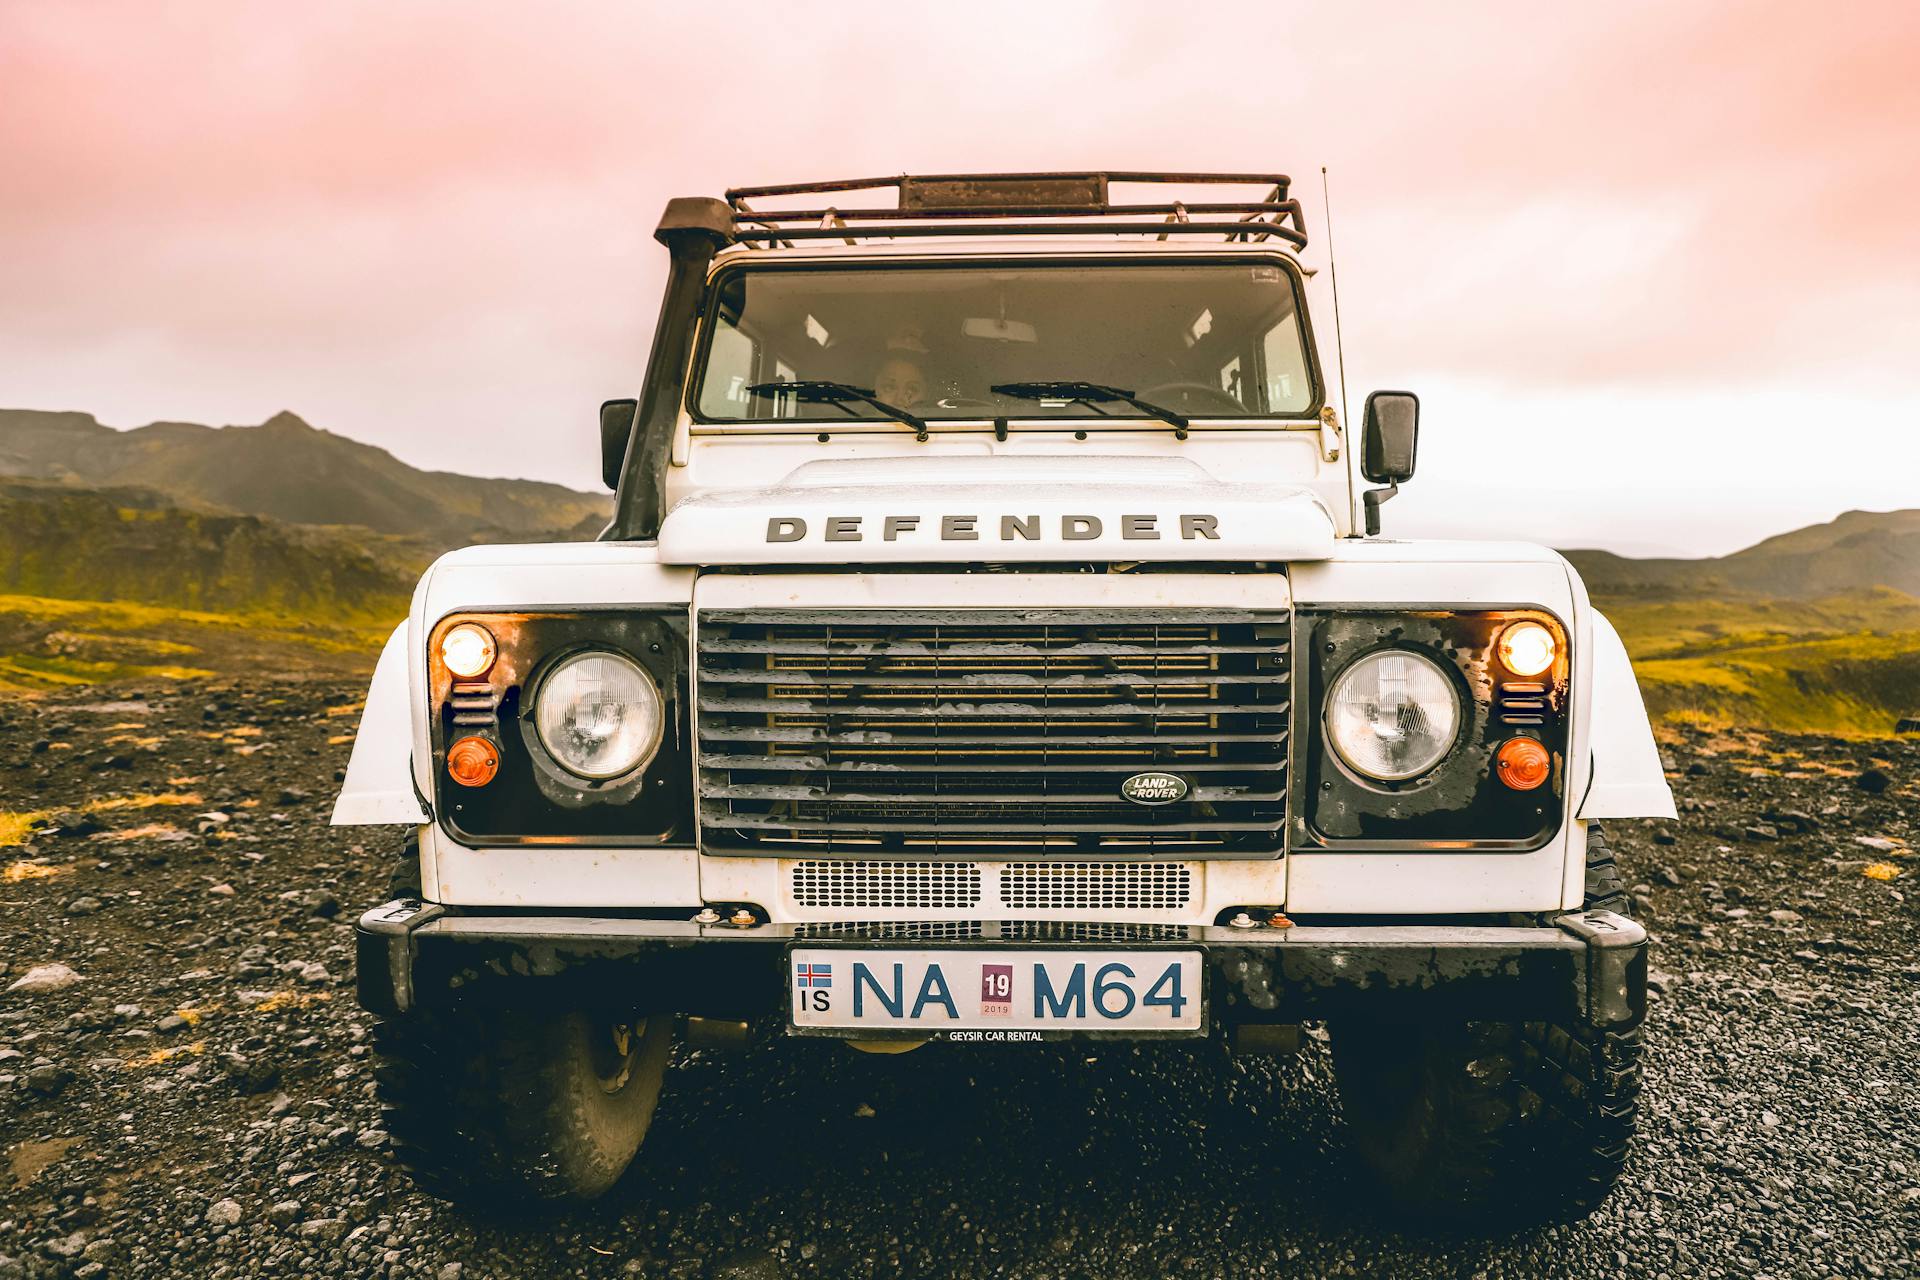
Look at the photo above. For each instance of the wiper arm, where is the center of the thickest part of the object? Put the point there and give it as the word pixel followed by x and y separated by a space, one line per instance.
pixel 821 391
pixel 1093 393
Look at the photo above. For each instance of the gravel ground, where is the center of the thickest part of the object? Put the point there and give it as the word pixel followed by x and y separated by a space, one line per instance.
pixel 198 1101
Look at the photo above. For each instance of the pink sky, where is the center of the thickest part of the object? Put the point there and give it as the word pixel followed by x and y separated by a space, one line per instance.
pixel 1671 249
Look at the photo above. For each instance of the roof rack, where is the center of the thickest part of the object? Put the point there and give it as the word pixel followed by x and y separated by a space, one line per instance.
pixel 1001 204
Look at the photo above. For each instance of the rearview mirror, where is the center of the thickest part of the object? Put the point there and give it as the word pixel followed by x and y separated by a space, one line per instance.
pixel 990 330
pixel 1392 429
pixel 616 428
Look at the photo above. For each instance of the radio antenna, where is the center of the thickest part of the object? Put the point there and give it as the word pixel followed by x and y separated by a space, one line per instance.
pixel 1333 272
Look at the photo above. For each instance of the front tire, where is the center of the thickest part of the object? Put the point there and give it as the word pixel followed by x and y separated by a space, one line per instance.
pixel 1495 1124
pixel 1490 1124
pixel 515 1103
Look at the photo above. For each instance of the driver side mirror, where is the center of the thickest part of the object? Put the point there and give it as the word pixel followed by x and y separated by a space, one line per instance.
pixel 616 428
pixel 1387 443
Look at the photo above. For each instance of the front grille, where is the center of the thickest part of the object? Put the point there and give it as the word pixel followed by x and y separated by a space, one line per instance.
pixel 991 733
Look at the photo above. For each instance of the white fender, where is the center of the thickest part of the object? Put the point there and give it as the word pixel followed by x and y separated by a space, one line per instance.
pixel 379 785
pixel 1627 780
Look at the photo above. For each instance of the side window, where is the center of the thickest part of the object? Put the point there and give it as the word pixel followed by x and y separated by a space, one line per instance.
pixel 1284 360
pixel 729 373
pixel 734 363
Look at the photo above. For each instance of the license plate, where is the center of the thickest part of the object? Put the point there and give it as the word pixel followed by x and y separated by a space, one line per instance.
pixel 841 990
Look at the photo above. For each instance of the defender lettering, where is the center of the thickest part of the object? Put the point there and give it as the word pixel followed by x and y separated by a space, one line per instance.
pixel 966 528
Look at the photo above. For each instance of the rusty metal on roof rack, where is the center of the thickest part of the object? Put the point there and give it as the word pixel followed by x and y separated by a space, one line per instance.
pixel 1094 181
pixel 1021 204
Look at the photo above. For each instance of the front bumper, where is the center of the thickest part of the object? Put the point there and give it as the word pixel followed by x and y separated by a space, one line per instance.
pixel 1588 967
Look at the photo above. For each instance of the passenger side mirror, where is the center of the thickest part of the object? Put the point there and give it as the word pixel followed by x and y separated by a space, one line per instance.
pixel 1392 428
pixel 616 428
pixel 1387 446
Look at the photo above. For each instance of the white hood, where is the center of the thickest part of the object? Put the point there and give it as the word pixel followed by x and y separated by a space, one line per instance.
pixel 1005 509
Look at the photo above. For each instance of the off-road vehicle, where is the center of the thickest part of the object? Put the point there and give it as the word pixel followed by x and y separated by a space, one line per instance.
pixel 994 641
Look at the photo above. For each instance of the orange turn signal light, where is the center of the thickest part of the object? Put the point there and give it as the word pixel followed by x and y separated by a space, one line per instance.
pixel 468 650
pixel 1527 648
pixel 1522 763
pixel 472 762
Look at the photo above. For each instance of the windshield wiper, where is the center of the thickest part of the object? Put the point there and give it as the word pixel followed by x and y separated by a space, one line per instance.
pixel 840 394
pixel 1092 393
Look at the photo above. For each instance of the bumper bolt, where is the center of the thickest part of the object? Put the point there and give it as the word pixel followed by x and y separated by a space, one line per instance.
pixel 742 919
pixel 1278 920
pixel 1241 920
pixel 707 916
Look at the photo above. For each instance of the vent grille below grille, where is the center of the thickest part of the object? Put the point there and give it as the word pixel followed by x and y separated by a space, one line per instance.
pixel 990 732
pixel 931 886
pixel 1090 886
pixel 1005 930
pixel 918 930
pixel 1088 931
pixel 989 888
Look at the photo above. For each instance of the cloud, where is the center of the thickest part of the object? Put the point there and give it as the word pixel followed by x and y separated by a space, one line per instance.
pixel 429 225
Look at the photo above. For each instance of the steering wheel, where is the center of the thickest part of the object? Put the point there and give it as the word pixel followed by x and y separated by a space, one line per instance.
pixel 1196 396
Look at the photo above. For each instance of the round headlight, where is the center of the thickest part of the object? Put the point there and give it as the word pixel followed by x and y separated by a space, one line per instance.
pixel 1392 715
pixel 598 715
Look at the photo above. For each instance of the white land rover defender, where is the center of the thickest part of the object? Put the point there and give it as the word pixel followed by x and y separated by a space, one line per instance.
pixel 994 641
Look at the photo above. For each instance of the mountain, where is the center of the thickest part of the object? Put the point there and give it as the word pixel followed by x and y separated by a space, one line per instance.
pixel 289 471
pixel 1858 551
pixel 1816 629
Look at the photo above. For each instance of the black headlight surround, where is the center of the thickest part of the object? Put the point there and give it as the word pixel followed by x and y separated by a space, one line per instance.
pixel 533 799
pixel 1459 804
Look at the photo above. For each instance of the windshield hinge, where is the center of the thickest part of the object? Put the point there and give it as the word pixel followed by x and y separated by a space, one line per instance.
pixel 1329 435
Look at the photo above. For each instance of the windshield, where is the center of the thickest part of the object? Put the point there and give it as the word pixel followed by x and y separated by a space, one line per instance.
pixel 1127 341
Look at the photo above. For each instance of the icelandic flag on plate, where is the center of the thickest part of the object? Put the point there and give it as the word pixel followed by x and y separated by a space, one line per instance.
pixel 815 975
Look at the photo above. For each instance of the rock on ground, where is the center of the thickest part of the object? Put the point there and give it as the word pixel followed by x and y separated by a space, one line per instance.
pixel 44 977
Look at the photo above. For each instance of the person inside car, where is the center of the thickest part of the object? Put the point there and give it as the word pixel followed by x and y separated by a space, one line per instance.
pixel 901 380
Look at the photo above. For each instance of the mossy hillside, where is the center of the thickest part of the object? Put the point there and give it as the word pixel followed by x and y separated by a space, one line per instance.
pixel 1847 665
pixel 1704 623
pixel 50 644
pixel 126 545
